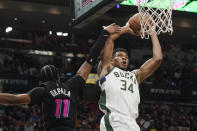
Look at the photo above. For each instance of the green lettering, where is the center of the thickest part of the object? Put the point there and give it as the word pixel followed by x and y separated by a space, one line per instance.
pixel 126 75
pixel 121 74
pixel 131 88
pixel 135 81
pixel 131 77
pixel 124 85
pixel 116 74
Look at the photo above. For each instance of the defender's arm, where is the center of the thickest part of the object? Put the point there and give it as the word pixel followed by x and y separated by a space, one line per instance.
pixel 86 68
pixel 11 99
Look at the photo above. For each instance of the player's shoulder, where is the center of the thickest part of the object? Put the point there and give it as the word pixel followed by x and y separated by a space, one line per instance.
pixel 135 72
pixel 36 90
pixel 104 71
pixel 110 69
pixel 75 80
pixel 76 77
pixel 39 88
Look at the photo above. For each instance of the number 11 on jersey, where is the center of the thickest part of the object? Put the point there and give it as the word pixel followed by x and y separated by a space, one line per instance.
pixel 59 103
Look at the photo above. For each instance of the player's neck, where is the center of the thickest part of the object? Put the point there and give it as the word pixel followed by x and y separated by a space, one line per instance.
pixel 122 68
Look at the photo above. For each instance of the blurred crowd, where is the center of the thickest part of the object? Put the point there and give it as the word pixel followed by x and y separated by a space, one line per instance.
pixel 152 117
pixel 88 117
pixel 20 118
pixel 179 66
pixel 165 117
pixel 18 63
pixel 179 69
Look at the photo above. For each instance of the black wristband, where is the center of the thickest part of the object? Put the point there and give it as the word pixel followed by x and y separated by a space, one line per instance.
pixel 97 47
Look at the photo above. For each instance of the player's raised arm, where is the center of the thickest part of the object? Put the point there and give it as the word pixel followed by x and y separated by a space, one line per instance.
pixel 94 52
pixel 106 55
pixel 105 62
pixel 152 64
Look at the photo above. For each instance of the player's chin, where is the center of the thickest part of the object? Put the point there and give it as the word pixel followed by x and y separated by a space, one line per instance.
pixel 124 67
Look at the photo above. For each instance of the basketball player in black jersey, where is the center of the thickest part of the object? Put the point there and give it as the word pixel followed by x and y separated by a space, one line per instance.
pixel 57 101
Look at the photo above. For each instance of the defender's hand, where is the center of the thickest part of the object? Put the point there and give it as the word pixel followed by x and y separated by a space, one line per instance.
pixel 129 30
pixel 113 28
pixel 124 29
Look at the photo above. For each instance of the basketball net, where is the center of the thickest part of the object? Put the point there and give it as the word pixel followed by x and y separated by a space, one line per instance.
pixel 157 13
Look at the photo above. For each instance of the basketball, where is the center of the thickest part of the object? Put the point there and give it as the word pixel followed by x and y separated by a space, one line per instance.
pixel 134 23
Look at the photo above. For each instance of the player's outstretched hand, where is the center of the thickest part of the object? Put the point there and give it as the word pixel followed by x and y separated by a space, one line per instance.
pixel 113 28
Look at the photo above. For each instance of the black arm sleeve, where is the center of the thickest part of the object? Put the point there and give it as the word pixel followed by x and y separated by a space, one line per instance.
pixel 36 95
pixel 97 47
pixel 76 84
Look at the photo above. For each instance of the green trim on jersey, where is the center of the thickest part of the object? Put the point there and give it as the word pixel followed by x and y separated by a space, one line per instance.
pixel 134 74
pixel 102 105
pixel 135 81
pixel 110 71
pixel 107 123
pixel 102 101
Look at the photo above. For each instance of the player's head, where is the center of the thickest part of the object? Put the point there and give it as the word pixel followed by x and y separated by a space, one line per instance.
pixel 49 73
pixel 120 58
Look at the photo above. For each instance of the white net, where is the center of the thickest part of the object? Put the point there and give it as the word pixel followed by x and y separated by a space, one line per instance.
pixel 157 13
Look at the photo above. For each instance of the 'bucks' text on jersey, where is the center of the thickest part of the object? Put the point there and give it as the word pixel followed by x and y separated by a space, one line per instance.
pixel 120 93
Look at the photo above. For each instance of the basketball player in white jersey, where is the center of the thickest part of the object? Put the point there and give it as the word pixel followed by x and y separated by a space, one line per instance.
pixel 120 96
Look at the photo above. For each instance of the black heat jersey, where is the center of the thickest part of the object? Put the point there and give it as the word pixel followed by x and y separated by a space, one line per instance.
pixel 58 102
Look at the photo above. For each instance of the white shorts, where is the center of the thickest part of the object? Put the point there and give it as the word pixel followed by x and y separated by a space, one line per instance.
pixel 115 122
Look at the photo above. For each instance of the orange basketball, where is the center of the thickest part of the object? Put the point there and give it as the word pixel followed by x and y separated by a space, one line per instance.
pixel 134 23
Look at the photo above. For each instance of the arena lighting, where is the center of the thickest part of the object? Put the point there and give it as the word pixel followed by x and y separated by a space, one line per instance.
pixel 69 59
pixel 8 29
pixel 50 32
pixel 179 5
pixel 81 55
pixel 65 34
pixel 59 33
pixel 70 55
pixel 15 19
pixel 38 52
pixel 118 6
pixel 43 21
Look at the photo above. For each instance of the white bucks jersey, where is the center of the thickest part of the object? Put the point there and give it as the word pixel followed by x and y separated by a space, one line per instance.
pixel 120 93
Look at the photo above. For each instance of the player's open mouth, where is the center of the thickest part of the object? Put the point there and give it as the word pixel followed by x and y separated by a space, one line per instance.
pixel 124 63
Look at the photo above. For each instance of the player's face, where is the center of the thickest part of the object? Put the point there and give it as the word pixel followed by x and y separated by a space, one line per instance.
pixel 120 60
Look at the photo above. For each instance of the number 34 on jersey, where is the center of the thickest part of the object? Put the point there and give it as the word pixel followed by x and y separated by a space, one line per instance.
pixel 126 86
